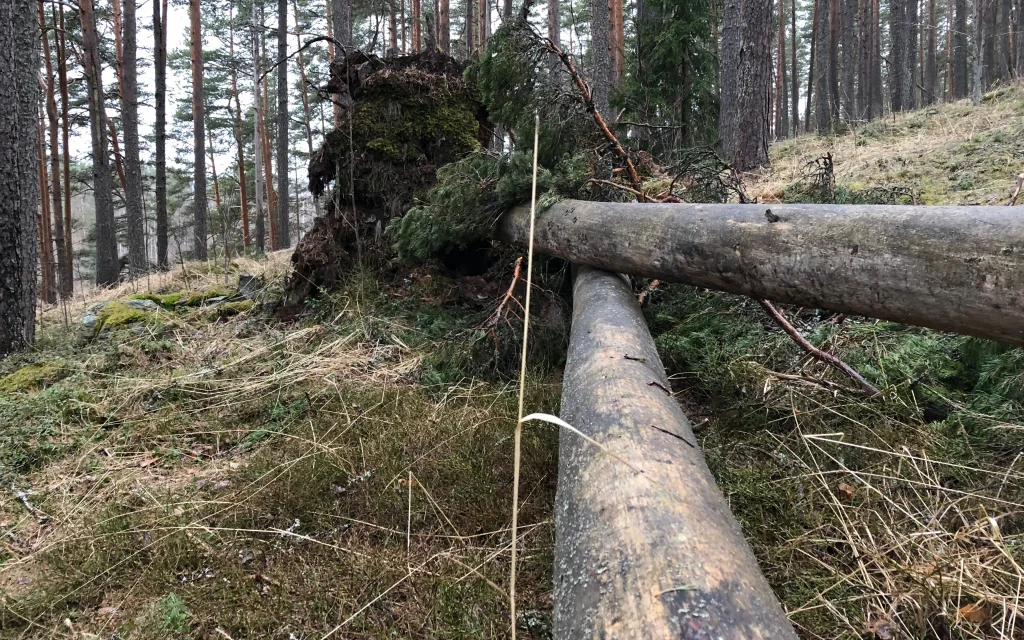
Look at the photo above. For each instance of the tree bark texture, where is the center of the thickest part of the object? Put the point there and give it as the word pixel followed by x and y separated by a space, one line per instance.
pixel 138 259
pixel 62 76
pixel 107 265
pixel 600 34
pixel 781 86
pixel 822 70
pixel 654 554
pixel 834 72
pixel 19 181
pixel 794 76
pixel 160 127
pixel 931 67
pixel 198 132
pixel 850 59
pixel 979 51
pixel 257 134
pixel 865 112
pixel 745 113
pixel 961 76
pixel 65 280
pixel 877 97
pixel 812 55
pixel 957 269
pixel 283 121
pixel 341 15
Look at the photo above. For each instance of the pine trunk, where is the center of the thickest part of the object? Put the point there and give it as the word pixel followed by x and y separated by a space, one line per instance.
pixel 19 187
pixel 65 283
pixel 65 102
pixel 961 81
pixel 47 275
pixel 243 189
pixel 138 259
pixel 864 112
pixel 444 28
pixel 823 72
pixel 107 266
pixel 812 54
pixel 877 98
pixel 282 124
pixel 897 53
pixel 160 64
pixel 910 56
pixel 417 41
pixel 1005 53
pixel 470 24
pixel 198 131
pixel 979 52
pixel 989 41
pixel 257 134
pixel 850 59
pixel 341 16
pixel 601 36
pixel 931 67
pixel 781 92
pixel 794 76
pixel 745 114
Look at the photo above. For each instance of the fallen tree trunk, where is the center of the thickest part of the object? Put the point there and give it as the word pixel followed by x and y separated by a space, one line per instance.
pixel 958 269
pixel 655 554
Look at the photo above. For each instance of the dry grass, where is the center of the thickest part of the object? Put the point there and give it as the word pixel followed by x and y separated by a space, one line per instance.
pixel 199 476
pixel 951 153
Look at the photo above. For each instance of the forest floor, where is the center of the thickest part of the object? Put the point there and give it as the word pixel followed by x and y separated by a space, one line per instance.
pixel 195 467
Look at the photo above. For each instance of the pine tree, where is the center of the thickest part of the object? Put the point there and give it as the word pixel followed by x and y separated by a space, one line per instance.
pixel 794 76
pixel 19 189
pixel 822 67
pixel 65 281
pixel 931 67
pixel 746 81
pixel 107 265
pixel 65 132
pixel 160 64
pixel 600 33
pixel 137 255
pixel 850 59
pixel 781 88
pixel 960 51
pixel 282 124
pixel 199 199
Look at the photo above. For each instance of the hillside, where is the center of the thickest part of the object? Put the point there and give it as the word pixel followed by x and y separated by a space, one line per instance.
pixel 192 465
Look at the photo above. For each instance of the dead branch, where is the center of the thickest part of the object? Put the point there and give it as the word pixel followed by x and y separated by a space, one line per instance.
pixel 499 313
pixel 1016 192
pixel 868 388
pixel 588 101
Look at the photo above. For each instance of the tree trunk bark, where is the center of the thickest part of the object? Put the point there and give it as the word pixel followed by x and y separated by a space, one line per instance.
pixel 107 265
pixel 198 131
pixel 781 93
pixel 600 37
pixel 811 71
pixel 794 76
pixel 47 276
pixel 864 112
pixel 931 67
pixel 65 283
pixel 283 120
pixel 910 56
pixel 745 114
pixel 979 52
pixel 701 580
pixel 417 41
pixel 1004 25
pixel 955 269
pixel 342 19
pixel 834 72
pixel 877 97
pixel 65 102
pixel 19 185
pixel 258 130
pixel 823 71
pixel 138 259
pixel 243 189
pixel 897 53
pixel 160 64
pixel 850 58
pixel 470 28
pixel 961 76
pixel 444 34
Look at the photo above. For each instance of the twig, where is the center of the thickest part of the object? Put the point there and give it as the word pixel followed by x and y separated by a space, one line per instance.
pixel 1016 192
pixel 497 315
pixel 825 357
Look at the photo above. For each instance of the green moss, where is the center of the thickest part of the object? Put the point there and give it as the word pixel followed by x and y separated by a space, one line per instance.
pixel 228 309
pixel 33 377
pixel 118 314
pixel 166 300
pixel 198 298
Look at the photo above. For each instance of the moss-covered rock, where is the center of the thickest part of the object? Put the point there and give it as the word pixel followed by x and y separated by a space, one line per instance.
pixel 229 309
pixel 165 300
pixel 199 297
pixel 33 377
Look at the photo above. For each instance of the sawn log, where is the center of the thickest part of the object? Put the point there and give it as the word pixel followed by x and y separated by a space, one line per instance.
pixel 645 545
pixel 958 269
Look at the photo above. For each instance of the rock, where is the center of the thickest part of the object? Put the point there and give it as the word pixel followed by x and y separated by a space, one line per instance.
pixel 249 285
pixel 143 305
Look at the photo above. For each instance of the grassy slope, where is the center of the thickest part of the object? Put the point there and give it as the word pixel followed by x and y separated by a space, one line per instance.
pixel 895 515
pixel 191 473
